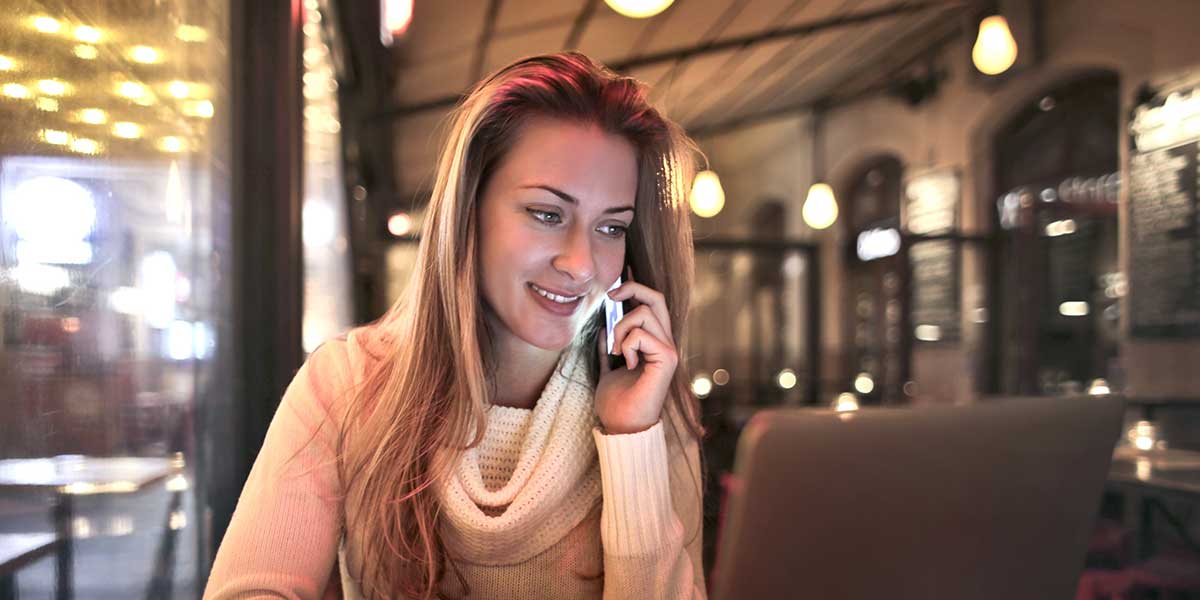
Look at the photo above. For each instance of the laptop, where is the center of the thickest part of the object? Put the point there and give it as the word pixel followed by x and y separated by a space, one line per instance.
pixel 989 500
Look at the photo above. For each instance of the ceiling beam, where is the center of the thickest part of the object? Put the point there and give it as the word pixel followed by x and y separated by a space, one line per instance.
pixel 580 25
pixel 768 35
pixel 485 39
pixel 833 101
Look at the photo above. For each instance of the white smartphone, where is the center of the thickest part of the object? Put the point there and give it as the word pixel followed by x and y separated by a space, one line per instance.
pixel 614 311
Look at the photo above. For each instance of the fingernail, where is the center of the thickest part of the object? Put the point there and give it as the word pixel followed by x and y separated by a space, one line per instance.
pixel 612 294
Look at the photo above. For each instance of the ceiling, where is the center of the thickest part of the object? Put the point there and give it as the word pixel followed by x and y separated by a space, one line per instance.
pixel 711 64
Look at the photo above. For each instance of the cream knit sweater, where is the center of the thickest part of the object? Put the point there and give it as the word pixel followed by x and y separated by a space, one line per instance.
pixel 519 511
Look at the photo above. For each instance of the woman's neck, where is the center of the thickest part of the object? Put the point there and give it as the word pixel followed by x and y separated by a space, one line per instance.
pixel 522 371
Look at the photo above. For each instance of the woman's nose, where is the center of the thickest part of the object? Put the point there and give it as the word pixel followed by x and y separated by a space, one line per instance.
pixel 575 258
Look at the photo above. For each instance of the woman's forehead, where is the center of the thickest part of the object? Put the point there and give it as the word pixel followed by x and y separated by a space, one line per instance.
pixel 564 154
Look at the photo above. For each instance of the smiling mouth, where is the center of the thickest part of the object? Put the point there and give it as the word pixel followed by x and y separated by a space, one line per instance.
pixel 555 297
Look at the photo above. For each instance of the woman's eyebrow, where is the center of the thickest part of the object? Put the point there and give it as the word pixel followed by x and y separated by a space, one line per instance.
pixel 572 199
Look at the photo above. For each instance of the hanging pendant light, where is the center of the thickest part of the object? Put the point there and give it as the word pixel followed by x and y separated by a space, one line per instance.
pixel 820 208
pixel 639 9
pixel 394 18
pixel 707 197
pixel 995 49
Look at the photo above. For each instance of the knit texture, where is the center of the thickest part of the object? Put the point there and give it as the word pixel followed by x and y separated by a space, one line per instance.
pixel 546 506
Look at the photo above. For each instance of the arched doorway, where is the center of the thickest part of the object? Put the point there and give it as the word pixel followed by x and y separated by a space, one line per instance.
pixel 1055 283
pixel 876 269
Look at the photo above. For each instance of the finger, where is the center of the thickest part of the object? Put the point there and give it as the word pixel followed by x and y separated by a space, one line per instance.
pixel 652 349
pixel 645 318
pixel 602 351
pixel 646 296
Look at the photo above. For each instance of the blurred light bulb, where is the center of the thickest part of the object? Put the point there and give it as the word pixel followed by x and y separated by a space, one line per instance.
pixel 638 9
pixel 93 116
pixel 995 49
pixel 52 87
pixel 845 402
pixel 720 377
pixel 191 33
pixel 15 90
pixel 198 108
pixel 820 208
pixel 6 63
pixel 86 52
pixel 395 18
pixel 46 24
pixel 707 197
pixel 55 137
pixel 127 130
pixel 701 386
pixel 132 90
pixel 864 384
pixel 145 55
pixel 47 104
pixel 786 379
pixel 87 34
pixel 171 144
pixel 399 224
pixel 85 146
pixel 178 89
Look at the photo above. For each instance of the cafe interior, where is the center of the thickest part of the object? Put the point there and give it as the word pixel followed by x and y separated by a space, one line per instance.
pixel 899 205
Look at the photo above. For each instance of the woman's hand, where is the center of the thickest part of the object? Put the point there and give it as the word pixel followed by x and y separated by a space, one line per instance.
pixel 630 399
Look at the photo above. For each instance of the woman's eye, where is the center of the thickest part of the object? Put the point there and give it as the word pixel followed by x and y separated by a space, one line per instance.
pixel 614 230
pixel 546 217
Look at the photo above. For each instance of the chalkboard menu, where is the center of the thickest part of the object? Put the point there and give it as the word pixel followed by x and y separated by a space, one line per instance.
pixel 931 208
pixel 1164 250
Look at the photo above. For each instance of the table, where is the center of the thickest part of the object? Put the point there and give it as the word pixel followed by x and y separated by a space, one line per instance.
pixel 1148 476
pixel 16 551
pixel 68 476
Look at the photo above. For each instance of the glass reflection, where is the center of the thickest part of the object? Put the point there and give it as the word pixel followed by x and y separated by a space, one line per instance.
pixel 111 236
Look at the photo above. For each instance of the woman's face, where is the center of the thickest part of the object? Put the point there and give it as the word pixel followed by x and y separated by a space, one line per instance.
pixel 553 219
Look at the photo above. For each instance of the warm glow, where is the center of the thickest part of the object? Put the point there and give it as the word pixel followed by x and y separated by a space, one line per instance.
pixel 85 146
pixel 395 17
pixel 198 108
pixel 995 49
pixel 86 52
pixel 145 55
pixel 1099 387
pixel 87 34
pixel 52 87
pixel 179 89
pixel 1057 228
pixel 864 384
pixel 47 104
pixel 707 197
pixel 93 116
pixel 15 90
pixel 638 9
pixel 1074 309
pixel 1144 435
pixel 70 324
pixel 702 386
pixel 131 90
pixel 6 63
pixel 400 224
pixel 171 144
pixel 46 24
pixel 820 208
pixel 56 137
pixel 927 333
pixel 845 402
pixel 191 33
pixel 786 379
pixel 127 130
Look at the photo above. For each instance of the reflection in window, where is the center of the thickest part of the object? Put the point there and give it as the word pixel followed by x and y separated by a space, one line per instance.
pixel 112 249
pixel 327 304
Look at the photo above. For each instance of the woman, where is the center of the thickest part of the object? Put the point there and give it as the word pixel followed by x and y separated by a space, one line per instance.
pixel 584 480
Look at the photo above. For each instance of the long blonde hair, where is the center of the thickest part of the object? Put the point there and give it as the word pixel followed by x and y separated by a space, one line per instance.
pixel 410 418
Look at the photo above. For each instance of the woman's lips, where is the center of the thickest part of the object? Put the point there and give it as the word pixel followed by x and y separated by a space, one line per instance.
pixel 562 310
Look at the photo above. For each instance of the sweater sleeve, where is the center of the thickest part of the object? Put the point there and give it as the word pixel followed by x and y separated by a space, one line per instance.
pixel 650 524
pixel 282 541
